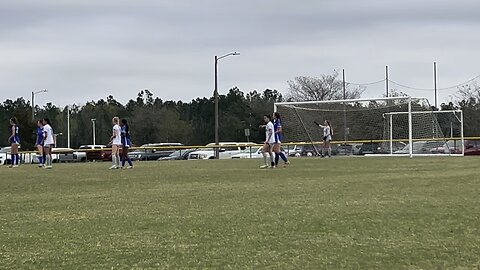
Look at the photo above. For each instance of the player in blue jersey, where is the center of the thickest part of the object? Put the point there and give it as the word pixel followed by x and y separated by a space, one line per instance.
pixel 39 143
pixel 126 143
pixel 277 146
pixel 14 140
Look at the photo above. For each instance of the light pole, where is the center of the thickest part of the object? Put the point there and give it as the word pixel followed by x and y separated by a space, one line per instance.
pixel 33 101
pixel 93 126
pixel 215 93
pixel 68 126
pixel 55 137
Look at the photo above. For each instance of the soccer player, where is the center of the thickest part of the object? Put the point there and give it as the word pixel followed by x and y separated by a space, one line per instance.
pixel 269 141
pixel 126 143
pixel 39 143
pixel 277 146
pixel 116 142
pixel 48 142
pixel 14 140
pixel 327 137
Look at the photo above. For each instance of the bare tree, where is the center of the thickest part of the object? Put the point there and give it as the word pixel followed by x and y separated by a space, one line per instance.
pixel 326 87
pixel 469 93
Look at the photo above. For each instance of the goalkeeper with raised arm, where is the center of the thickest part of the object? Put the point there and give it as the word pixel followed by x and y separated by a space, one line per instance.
pixel 327 137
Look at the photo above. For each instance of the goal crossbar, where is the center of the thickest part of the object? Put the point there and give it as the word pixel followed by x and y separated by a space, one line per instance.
pixel 345 100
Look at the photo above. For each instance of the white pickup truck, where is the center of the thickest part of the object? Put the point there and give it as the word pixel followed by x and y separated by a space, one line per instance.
pixel 226 151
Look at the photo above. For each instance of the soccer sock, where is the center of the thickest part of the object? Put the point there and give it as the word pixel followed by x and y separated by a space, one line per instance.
pixel 118 160
pixel 124 159
pixel 265 158
pixel 129 161
pixel 114 161
pixel 272 161
pixel 329 151
pixel 277 158
pixel 40 160
pixel 47 160
pixel 18 159
pixel 282 155
pixel 13 159
pixel 323 152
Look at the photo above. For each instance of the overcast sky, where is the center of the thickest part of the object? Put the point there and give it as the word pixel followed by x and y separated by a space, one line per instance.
pixel 85 50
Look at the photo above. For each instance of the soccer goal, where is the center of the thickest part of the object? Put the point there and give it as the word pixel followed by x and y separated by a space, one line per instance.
pixel 391 126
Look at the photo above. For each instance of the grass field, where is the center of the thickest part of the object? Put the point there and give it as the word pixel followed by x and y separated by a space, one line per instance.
pixel 354 213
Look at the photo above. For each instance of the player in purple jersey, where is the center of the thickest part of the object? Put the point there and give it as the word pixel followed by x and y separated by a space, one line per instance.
pixel 39 143
pixel 14 140
pixel 126 143
pixel 277 146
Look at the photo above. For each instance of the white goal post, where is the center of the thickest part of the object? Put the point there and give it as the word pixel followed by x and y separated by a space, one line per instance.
pixel 392 126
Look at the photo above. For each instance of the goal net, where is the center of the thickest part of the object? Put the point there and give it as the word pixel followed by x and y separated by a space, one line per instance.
pixel 375 126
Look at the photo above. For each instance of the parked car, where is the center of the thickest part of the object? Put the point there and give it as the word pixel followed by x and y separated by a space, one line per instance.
pixel 472 147
pixel 356 148
pixel 178 155
pixel 311 150
pixel 252 152
pixel 226 151
pixel 370 148
pixel 68 155
pixel 5 157
pixel 425 147
pixel 153 151
pixel 96 152
pixel 293 150
pixel 249 152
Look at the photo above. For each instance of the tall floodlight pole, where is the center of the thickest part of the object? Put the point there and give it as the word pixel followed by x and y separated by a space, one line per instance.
pixel 215 93
pixel 93 127
pixel 33 101
pixel 344 107
pixel 386 81
pixel 435 81
pixel 68 126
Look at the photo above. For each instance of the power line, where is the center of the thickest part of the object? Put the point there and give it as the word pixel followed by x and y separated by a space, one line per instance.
pixel 370 83
pixel 431 89
pixel 415 88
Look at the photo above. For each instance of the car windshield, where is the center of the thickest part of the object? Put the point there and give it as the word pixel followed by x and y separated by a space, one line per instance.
pixel 176 153
pixel 416 146
pixel 4 150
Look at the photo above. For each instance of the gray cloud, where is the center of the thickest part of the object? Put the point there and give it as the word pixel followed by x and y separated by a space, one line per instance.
pixel 86 50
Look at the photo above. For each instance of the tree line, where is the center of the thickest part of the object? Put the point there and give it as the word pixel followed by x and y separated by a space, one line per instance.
pixel 151 119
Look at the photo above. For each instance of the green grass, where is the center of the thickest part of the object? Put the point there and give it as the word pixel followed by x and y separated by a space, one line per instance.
pixel 354 213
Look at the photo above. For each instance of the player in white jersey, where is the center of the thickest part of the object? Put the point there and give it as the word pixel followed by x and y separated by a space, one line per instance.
pixel 48 142
pixel 269 142
pixel 327 137
pixel 116 141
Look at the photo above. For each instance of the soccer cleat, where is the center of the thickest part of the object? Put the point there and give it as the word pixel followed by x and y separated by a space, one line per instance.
pixel 15 166
pixel 130 167
pixel 48 167
pixel 286 164
pixel 263 166
pixel 272 167
pixel 113 167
